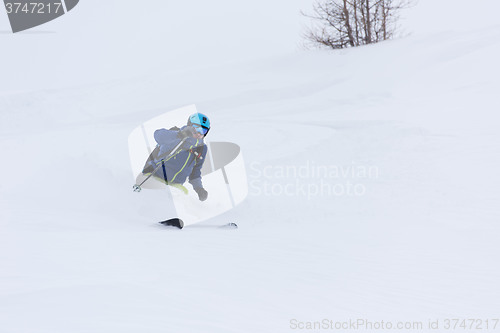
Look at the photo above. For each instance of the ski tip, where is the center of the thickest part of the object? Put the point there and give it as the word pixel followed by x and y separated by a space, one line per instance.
pixel 230 226
pixel 178 223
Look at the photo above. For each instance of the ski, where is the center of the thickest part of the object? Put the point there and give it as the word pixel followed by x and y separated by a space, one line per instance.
pixel 178 223
pixel 175 222
pixel 229 226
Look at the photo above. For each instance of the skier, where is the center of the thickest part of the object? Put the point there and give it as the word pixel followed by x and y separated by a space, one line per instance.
pixel 187 160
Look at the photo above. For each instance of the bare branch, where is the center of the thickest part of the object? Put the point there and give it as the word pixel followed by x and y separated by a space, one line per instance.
pixel 349 23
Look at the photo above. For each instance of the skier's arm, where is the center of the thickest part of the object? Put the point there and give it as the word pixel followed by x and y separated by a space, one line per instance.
pixel 166 137
pixel 195 176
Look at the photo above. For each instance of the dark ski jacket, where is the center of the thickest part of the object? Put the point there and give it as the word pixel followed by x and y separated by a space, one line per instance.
pixel 185 163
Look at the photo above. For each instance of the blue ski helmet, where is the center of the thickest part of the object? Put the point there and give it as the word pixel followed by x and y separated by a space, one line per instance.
pixel 200 122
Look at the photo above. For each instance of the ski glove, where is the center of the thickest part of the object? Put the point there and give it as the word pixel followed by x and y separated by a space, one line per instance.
pixel 202 193
pixel 186 132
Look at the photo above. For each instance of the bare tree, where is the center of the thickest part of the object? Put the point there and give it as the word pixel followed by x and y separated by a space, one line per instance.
pixel 349 23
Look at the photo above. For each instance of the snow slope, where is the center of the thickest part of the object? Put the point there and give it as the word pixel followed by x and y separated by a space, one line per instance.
pixel 78 252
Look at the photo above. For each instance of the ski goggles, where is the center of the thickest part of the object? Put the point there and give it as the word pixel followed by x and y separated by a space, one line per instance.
pixel 201 129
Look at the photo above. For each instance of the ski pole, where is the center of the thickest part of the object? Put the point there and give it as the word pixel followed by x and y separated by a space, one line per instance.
pixel 137 188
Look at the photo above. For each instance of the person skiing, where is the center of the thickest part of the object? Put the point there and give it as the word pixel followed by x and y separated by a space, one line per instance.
pixel 187 160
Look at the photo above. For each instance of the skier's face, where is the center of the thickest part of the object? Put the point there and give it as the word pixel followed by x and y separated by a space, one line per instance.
pixel 198 136
pixel 199 131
